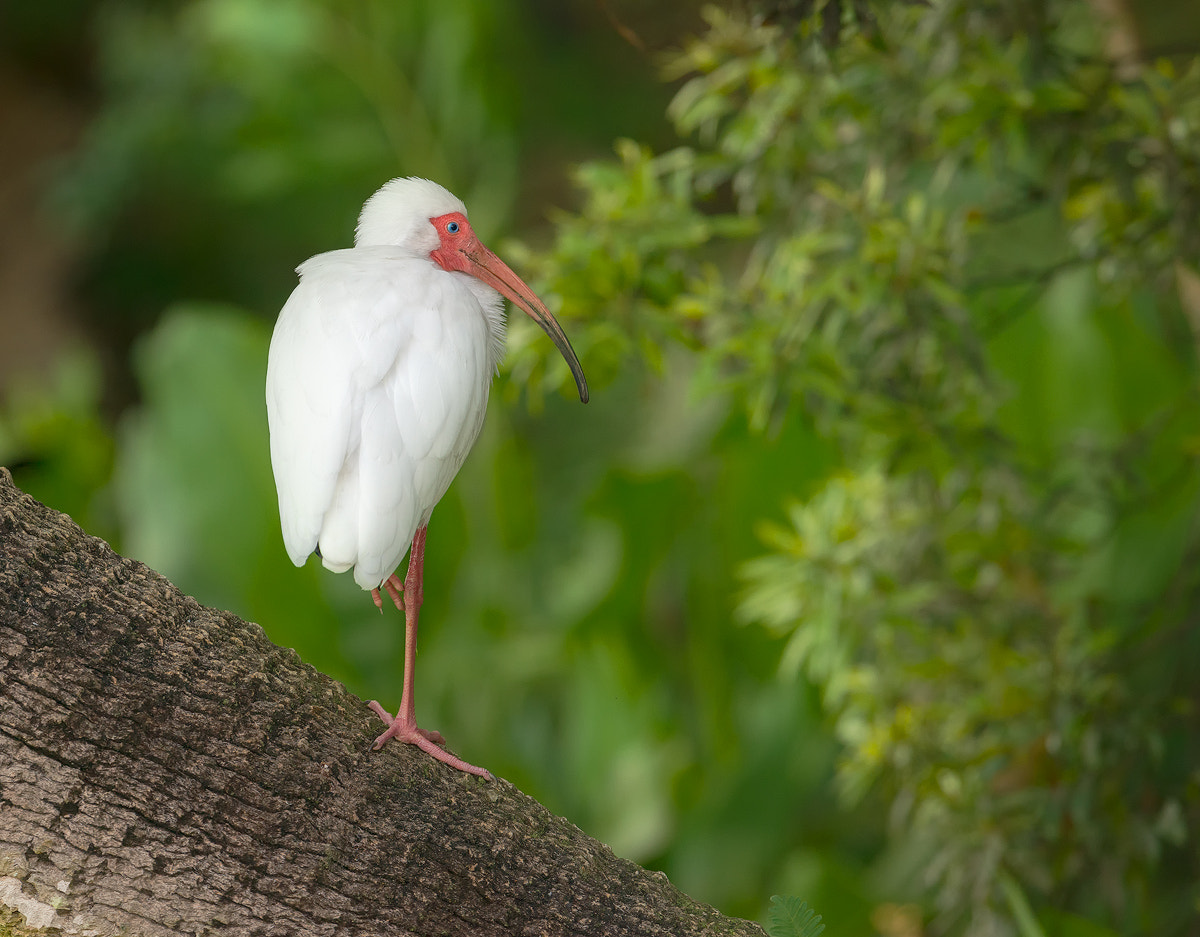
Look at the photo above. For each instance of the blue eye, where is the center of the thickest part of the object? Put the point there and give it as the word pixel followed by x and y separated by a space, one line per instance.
pixel 452 228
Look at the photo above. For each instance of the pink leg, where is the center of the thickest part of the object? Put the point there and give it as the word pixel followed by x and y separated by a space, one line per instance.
pixel 404 726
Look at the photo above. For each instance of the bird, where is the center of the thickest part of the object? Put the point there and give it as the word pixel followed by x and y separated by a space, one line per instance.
pixel 377 381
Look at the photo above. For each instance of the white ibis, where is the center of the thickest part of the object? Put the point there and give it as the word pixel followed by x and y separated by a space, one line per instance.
pixel 377 382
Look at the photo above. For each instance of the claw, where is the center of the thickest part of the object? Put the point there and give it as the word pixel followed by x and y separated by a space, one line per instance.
pixel 428 741
pixel 394 589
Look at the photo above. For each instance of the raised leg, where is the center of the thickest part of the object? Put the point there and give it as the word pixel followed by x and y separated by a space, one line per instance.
pixel 394 587
pixel 404 725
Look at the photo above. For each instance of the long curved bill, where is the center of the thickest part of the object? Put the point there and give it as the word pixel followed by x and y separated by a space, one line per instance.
pixel 486 266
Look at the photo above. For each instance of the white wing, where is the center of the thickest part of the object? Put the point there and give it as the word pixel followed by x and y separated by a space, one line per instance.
pixel 377 383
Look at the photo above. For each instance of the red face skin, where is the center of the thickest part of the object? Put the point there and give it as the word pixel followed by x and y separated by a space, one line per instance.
pixel 461 250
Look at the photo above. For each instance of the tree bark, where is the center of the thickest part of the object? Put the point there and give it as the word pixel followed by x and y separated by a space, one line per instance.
pixel 166 769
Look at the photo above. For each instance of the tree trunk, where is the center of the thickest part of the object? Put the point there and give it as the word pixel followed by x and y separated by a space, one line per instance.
pixel 165 769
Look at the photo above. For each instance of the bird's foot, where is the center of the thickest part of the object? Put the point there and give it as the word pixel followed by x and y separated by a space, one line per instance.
pixel 395 589
pixel 427 741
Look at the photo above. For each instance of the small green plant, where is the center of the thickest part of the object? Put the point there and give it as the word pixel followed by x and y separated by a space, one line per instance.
pixel 791 917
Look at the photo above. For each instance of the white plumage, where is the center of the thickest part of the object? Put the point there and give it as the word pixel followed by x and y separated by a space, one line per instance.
pixel 377 384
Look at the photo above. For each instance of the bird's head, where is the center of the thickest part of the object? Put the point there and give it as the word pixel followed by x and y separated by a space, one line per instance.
pixel 421 216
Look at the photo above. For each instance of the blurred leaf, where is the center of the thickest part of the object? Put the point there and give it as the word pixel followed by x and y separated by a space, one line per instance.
pixel 54 440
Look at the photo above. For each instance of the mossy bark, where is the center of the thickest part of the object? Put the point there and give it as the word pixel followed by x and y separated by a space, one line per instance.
pixel 166 769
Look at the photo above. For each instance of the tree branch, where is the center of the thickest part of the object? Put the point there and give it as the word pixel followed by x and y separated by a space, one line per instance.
pixel 166 769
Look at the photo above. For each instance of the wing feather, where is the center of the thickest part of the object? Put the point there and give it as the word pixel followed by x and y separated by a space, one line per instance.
pixel 310 413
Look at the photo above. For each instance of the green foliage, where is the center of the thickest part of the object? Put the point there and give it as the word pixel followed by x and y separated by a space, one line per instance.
pixel 791 917
pixel 246 132
pixel 955 246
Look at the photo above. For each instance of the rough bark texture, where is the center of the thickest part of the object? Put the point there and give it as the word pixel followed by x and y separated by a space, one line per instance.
pixel 165 769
